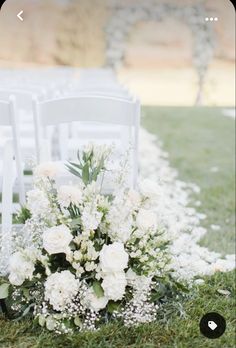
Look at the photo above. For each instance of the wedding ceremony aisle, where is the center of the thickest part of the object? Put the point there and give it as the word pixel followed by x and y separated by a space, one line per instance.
pixel 117 174
pixel 189 154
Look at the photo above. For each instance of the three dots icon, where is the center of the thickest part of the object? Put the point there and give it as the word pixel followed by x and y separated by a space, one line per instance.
pixel 211 19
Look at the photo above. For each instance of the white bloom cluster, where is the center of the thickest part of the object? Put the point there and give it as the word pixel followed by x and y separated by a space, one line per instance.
pixel 22 266
pixel 88 247
pixel 60 289
pixel 37 202
pixel 68 194
pixel 113 260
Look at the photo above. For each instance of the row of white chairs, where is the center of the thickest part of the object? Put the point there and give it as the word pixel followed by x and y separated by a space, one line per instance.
pixel 96 113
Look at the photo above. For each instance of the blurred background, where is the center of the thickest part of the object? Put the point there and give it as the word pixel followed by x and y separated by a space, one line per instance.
pixel 164 51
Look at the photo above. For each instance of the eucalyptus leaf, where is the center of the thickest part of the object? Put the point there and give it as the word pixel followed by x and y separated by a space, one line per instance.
pixel 85 173
pixel 26 293
pixel 4 290
pixel 75 222
pixel 78 321
pixel 41 320
pixel 98 289
pixel 112 306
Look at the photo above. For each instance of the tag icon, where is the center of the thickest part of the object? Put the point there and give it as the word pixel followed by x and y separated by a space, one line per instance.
pixel 212 325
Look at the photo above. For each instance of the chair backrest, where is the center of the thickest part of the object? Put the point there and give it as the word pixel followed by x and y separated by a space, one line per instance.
pixel 23 99
pixel 93 109
pixel 8 117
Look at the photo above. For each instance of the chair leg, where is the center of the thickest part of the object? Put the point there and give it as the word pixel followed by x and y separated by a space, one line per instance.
pixel 7 195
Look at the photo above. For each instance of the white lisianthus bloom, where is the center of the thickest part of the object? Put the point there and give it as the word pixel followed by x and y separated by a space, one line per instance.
pixel 47 170
pixel 91 218
pixel 114 285
pixel 120 232
pixel 37 202
pixel 146 220
pixel 119 219
pixel 68 194
pixel 138 282
pixel 93 302
pixel 60 289
pixel 57 239
pixel 113 258
pixel 20 268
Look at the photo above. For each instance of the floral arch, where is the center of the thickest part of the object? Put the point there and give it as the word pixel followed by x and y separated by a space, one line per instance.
pixel 125 16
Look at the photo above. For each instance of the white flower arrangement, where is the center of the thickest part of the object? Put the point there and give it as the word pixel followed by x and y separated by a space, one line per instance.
pixel 90 257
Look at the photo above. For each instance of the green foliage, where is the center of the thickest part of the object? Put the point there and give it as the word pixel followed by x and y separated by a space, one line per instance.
pixel 172 329
pixel 98 289
pixel 23 215
pixel 4 290
pixel 89 166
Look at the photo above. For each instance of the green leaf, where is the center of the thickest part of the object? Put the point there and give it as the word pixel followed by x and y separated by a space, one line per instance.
pixel 41 320
pixel 26 293
pixel 23 215
pixel 98 289
pixel 112 306
pixel 4 291
pixel 85 173
pixel 73 171
pixel 75 222
pixel 78 321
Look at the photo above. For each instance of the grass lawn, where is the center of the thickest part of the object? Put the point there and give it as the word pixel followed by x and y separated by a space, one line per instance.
pixel 197 140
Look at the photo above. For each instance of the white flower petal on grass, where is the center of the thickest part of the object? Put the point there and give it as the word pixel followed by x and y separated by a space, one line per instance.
pixel 57 239
pixel 60 289
pixel 113 258
pixel 146 220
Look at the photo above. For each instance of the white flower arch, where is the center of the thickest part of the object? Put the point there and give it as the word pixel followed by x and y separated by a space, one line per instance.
pixel 125 16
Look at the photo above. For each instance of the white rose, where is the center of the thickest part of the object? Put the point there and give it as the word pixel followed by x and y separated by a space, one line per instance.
pixel 113 258
pixel 20 268
pixel 93 302
pixel 114 286
pixel 146 220
pixel 60 289
pixel 68 194
pixel 37 202
pixel 57 239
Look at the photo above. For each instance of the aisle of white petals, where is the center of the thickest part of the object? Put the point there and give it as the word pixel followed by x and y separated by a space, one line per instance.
pixel 173 206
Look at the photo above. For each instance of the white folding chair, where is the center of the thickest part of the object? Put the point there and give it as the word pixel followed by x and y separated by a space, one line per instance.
pixel 89 109
pixel 24 109
pixel 7 178
pixel 8 118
